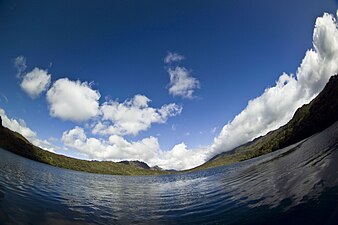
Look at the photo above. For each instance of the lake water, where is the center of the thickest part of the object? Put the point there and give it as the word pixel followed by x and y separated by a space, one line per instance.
pixel 295 185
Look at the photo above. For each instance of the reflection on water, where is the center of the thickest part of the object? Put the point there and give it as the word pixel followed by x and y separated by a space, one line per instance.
pixel 295 185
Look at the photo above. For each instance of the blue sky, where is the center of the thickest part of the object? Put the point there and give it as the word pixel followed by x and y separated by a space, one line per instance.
pixel 232 50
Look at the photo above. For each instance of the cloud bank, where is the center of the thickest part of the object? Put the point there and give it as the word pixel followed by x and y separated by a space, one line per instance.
pixel 73 100
pixel 276 106
pixel 117 148
pixel 35 82
pixel 128 118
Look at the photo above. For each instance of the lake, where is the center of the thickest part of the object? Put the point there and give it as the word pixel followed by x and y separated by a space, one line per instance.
pixel 294 185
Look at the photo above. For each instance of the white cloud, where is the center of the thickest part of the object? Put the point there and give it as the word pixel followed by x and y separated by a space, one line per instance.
pixel 182 83
pixel 17 125
pixel 73 100
pixel 267 112
pixel 21 127
pixel 277 104
pixel 20 65
pixel 116 148
pixel 35 82
pixel 173 57
pixel 132 116
pixel 180 157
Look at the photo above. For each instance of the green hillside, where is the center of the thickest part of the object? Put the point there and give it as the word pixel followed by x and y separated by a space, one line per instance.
pixel 16 143
pixel 311 118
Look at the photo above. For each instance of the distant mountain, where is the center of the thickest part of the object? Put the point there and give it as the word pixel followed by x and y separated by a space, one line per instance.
pixel 311 118
pixel 136 163
pixel 144 165
pixel 16 143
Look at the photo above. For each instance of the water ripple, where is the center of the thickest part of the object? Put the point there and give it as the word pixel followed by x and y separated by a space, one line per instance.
pixel 276 187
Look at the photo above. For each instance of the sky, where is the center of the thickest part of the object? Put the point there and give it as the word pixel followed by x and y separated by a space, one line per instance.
pixel 170 83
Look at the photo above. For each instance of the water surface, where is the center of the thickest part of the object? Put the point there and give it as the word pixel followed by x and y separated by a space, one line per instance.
pixel 295 185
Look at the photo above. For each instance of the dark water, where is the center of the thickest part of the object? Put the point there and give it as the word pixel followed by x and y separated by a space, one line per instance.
pixel 296 185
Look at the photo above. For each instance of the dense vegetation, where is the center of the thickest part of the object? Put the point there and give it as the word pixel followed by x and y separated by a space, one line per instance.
pixel 311 118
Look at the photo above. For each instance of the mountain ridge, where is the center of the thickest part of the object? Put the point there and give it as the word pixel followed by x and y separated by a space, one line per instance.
pixel 309 119
pixel 18 144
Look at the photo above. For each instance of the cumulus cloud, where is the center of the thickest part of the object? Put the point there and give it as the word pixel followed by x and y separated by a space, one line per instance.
pixel 277 104
pixel 272 109
pixel 20 65
pixel 173 57
pixel 35 82
pixel 21 127
pixel 180 157
pixel 132 116
pixel 73 100
pixel 182 83
pixel 116 148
